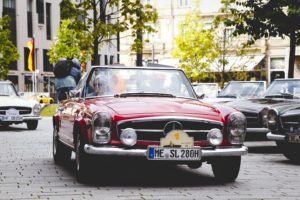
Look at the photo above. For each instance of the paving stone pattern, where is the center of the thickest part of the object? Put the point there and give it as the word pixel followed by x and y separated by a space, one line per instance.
pixel 27 171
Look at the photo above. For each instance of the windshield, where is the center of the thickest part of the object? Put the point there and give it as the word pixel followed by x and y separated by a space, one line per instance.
pixel 210 90
pixel 138 82
pixel 243 89
pixel 7 89
pixel 284 88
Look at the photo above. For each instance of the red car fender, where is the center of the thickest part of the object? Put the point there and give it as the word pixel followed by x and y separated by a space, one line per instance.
pixel 84 126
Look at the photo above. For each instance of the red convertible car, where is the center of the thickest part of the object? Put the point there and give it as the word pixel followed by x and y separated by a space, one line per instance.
pixel 150 113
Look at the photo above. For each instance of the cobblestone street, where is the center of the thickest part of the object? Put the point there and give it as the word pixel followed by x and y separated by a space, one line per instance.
pixel 27 171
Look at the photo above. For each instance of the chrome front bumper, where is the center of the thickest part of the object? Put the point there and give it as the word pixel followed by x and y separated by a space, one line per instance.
pixel 29 118
pixel 117 151
pixel 276 137
pixel 258 130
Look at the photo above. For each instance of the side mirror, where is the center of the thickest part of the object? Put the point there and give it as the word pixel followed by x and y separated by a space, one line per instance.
pixel 201 96
pixel 74 93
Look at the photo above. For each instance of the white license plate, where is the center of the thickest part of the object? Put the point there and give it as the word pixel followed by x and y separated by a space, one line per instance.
pixel 294 138
pixel 11 118
pixel 168 153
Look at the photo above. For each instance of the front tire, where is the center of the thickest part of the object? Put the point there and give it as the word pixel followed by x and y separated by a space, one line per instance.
pixel 291 151
pixel 81 160
pixel 226 169
pixel 61 153
pixel 32 125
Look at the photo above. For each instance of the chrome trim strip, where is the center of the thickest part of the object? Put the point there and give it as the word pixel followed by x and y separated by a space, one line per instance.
pixel 276 137
pixel 160 131
pixel 232 151
pixel 170 118
pixel 26 118
pixel 257 130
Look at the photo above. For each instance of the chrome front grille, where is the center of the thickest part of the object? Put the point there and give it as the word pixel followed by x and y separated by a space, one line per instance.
pixel 152 128
pixel 22 110
pixel 291 123
pixel 252 119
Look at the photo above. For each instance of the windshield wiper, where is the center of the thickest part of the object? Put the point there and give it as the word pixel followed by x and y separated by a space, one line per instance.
pixel 226 96
pixel 143 94
pixel 282 95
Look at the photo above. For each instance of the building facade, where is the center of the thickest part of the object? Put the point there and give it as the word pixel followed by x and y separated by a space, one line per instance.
pixel 39 19
pixel 271 55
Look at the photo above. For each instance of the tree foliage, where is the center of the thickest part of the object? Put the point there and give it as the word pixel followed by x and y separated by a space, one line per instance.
pixel 8 51
pixel 195 46
pixel 264 19
pixel 71 44
pixel 105 19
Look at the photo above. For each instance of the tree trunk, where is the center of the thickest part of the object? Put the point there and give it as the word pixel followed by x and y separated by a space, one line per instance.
pixel 292 54
pixel 139 54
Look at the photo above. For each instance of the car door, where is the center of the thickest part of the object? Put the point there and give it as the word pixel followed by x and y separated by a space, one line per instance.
pixel 67 117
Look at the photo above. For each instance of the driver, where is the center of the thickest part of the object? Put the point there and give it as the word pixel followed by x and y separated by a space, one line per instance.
pixel 101 86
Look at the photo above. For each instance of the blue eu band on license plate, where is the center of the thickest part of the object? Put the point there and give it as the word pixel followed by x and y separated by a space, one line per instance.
pixel 167 153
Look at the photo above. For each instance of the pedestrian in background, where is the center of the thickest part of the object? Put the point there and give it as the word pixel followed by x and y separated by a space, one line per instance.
pixel 67 74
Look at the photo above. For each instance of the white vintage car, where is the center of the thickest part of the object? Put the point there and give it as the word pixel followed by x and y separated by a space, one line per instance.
pixel 15 110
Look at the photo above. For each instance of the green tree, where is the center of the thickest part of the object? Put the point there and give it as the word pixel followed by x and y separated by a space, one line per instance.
pixel 264 19
pixel 195 46
pixel 105 19
pixel 234 55
pixel 8 51
pixel 71 44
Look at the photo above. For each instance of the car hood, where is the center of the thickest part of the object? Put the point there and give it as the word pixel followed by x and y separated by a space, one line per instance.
pixel 136 105
pixel 16 101
pixel 256 105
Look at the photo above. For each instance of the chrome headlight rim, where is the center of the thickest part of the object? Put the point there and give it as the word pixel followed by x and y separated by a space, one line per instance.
pixel 101 133
pixel 128 137
pixel 237 120
pixel 264 116
pixel 215 137
pixel 272 118
pixel 36 109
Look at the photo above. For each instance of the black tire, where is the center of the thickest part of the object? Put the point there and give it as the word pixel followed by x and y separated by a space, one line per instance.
pixel 41 101
pixel 226 169
pixel 51 101
pixel 32 125
pixel 82 161
pixel 61 153
pixel 291 151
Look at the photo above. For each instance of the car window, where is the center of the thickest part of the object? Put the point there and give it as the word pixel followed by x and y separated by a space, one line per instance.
pixel 114 81
pixel 7 90
pixel 284 87
pixel 244 89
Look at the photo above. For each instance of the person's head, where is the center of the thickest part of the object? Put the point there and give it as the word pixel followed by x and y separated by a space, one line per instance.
pixel 100 85
pixel 76 63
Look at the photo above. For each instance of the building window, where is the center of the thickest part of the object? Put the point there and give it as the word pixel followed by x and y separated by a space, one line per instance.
pixel 9 4
pixel 105 60
pixel 26 54
pixel 49 85
pixel 48 20
pixel 28 84
pixel 48 67
pixel 29 18
pixel 40 11
pixel 277 63
pixel 184 3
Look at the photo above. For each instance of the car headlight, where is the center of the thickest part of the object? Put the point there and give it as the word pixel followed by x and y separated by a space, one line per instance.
pixel 237 125
pixel 272 119
pixel 215 137
pixel 264 116
pixel 128 137
pixel 101 128
pixel 36 109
